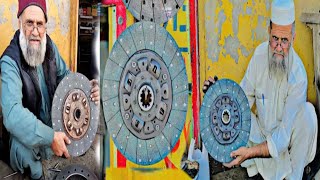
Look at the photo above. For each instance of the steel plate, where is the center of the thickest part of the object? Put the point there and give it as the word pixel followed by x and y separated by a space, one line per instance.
pixel 145 93
pixel 66 107
pixel 76 171
pixel 225 119
pixel 158 11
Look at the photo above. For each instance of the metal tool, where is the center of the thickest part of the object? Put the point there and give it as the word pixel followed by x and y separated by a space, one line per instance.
pixel 12 174
pixel 55 168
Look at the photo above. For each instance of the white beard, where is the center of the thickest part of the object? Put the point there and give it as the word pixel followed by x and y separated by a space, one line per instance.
pixel 33 56
pixel 278 68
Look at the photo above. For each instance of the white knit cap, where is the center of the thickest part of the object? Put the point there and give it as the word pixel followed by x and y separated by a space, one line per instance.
pixel 282 12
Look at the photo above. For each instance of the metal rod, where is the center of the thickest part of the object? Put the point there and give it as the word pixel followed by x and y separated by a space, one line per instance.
pixel 12 174
pixel 55 170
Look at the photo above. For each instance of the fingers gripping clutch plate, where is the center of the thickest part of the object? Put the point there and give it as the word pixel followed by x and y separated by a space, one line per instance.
pixel 225 119
pixel 145 93
pixel 74 113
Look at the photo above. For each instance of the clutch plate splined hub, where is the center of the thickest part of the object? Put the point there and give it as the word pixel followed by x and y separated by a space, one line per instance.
pixel 74 113
pixel 225 119
pixel 141 84
pixel 158 11
pixel 145 93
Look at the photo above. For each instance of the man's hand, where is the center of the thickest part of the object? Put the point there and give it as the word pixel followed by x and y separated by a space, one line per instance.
pixel 208 83
pixel 244 153
pixel 95 91
pixel 58 145
pixel 240 154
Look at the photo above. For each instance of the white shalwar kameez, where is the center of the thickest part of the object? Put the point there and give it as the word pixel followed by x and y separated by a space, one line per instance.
pixel 284 119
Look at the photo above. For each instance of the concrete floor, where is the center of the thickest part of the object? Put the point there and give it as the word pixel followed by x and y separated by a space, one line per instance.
pixel 317 177
pixel 217 171
pixel 5 170
pixel 240 173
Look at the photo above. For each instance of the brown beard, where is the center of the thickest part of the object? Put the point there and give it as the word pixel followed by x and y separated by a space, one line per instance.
pixel 34 56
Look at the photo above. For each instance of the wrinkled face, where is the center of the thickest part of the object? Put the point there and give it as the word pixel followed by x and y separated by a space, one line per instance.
pixel 33 35
pixel 33 24
pixel 280 40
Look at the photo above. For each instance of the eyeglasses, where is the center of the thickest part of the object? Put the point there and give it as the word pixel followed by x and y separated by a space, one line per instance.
pixel 30 25
pixel 284 42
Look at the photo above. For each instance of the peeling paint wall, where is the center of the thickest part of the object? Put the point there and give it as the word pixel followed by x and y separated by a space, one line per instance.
pixel 60 17
pixel 230 30
pixel 225 36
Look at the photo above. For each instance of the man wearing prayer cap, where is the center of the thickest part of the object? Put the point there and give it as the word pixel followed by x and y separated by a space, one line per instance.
pixel 31 69
pixel 284 129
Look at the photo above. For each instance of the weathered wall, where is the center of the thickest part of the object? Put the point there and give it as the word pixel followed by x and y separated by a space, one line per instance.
pixel 61 26
pixel 230 30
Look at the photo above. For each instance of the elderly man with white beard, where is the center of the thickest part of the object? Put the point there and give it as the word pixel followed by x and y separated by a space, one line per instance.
pixel 31 69
pixel 284 129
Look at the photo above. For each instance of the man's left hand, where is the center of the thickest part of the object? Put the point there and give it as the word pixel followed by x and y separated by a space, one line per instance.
pixel 240 155
pixel 95 91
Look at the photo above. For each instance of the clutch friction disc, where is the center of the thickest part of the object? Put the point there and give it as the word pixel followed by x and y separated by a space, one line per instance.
pixel 145 93
pixel 158 11
pixel 76 172
pixel 225 119
pixel 74 113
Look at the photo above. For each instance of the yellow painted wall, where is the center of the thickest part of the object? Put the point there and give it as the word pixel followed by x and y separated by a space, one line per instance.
pixel 229 31
pixel 130 174
pixel 61 26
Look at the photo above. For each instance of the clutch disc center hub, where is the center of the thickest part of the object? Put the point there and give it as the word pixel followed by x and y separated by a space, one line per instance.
pixel 145 93
pixel 146 97
pixel 226 117
pixel 76 114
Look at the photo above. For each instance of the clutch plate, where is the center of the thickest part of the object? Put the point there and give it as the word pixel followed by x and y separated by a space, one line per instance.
pixel 225 119
pixel 74 113
pixel 158 11
pixel 76 172
pixel 145 93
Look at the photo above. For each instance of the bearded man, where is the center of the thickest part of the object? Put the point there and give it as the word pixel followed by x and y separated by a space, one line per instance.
pixel 284 129
pixel 31 69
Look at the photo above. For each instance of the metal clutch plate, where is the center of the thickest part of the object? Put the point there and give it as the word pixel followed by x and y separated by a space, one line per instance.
pixel 74 113
pixel 225 119
pixel 158 11
pixel 76 172
pixel 145 93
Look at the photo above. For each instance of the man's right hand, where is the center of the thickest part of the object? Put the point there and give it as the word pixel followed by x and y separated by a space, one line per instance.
pixel 58 145
pixel 208 83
